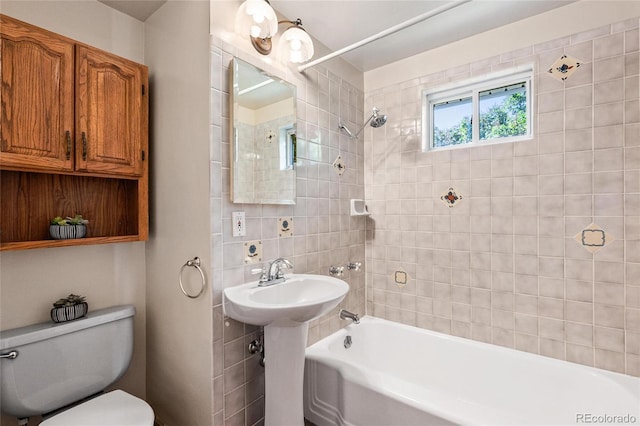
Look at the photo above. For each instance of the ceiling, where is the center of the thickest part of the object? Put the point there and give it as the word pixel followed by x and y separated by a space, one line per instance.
pixel 340 23
pixel 139 9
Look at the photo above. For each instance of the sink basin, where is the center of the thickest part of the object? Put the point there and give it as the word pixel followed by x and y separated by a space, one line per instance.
pixel 301 298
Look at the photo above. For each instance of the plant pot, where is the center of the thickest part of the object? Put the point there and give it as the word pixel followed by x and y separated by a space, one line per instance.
pixel 69 313
pixel 67 232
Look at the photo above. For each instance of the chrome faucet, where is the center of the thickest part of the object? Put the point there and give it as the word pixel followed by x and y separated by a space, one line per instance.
pixel 274 274
pixel 344 314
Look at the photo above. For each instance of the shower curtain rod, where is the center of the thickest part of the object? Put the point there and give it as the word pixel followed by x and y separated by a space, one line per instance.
pixel 385 33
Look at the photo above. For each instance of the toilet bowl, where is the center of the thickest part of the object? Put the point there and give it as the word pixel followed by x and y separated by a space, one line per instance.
pixel 46 367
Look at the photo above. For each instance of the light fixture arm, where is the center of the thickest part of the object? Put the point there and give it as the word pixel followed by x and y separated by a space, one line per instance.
pixel 264 45
pixel 297 22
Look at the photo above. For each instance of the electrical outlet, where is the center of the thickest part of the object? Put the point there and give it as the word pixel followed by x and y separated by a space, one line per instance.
pixel 239 228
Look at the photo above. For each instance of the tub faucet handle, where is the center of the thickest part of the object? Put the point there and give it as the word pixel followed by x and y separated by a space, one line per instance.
pixel 354 266
pixel 336 271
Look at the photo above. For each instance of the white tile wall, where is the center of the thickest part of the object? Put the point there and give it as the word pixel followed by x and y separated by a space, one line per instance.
pixel 502 266
pixel 324 233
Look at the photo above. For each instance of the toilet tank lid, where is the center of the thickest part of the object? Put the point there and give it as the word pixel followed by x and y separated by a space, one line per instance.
pixel 34 333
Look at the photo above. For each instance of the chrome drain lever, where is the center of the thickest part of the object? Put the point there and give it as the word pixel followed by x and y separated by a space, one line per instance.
pixel 347 342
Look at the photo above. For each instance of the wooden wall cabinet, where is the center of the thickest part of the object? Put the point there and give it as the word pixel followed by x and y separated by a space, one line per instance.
pixel 73 139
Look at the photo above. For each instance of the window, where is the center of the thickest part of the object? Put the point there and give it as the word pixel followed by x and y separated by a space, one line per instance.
pixel 495 108
pixel 287 141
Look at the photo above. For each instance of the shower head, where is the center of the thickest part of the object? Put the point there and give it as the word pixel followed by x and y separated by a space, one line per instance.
pixel 376 120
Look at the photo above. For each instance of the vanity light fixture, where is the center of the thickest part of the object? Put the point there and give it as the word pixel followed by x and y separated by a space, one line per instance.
pixel 295 44
pixel 258 19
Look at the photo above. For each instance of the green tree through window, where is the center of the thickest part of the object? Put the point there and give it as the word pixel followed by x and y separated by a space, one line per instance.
pixel 501 115
pixel 506 119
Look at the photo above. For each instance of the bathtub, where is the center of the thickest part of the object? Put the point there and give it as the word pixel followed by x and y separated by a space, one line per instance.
pixel 393 374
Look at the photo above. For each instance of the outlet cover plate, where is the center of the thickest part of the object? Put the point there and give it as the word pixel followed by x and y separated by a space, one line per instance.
pixel 238 224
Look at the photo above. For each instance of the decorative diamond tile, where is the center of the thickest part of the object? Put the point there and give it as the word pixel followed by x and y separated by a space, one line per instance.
pixel 285 226
pixel 253 251
pixel 450 198
pixel 339 166
pixel 270 136
pixel 400 278
pixel 593 238
pixel 564 67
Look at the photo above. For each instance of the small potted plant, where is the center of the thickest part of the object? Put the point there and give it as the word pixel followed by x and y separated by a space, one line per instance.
pixel 67 228
pixel 70 308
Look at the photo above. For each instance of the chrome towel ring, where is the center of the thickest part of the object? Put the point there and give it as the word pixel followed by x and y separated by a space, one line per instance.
pixel 195 262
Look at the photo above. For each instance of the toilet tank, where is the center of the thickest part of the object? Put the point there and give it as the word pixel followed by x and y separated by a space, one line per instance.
pixel 58 364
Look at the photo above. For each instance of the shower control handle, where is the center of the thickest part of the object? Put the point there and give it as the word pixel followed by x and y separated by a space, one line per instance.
pixel 336 271
pixel 354 266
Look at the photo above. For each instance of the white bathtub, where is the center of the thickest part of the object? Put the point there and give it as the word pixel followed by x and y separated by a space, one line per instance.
pixel 395 374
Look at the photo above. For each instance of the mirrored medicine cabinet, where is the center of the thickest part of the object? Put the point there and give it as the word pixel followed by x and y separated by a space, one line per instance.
pixel 263 136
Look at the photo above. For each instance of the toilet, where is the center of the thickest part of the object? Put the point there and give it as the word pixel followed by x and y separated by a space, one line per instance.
pixel 60 371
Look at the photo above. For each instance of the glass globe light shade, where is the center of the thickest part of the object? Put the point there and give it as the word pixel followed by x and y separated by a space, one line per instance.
pixel 257 19
pixel 295 45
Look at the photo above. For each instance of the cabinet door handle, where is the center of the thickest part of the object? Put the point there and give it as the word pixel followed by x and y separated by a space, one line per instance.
pixel 68 135
pixel 84 146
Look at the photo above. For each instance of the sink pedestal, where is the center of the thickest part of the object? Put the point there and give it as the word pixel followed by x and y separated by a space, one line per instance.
pixel 284 309
pixel 284 373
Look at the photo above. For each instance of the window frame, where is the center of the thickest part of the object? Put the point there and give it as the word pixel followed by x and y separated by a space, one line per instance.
pixel 286 141
pixel 471 88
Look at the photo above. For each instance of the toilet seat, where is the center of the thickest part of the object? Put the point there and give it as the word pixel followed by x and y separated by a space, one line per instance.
pixel 113 408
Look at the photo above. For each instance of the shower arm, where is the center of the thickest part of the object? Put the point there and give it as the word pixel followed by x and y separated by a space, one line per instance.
pixel 351 135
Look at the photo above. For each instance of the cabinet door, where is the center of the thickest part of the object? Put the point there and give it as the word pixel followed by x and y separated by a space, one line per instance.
pixel 111 113
pixel 36 129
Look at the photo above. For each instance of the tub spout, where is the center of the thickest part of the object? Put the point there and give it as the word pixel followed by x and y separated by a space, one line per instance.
pixel 344 314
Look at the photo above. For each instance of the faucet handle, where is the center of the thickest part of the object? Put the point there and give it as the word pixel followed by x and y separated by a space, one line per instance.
pixel 287 265
pixel 354 266
pixel 263 273
pixel 336 271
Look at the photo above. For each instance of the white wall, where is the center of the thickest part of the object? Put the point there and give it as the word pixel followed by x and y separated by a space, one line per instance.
pixel 179 342
pixel 573 18
pixel 274 111
pixel 87 21
pixel 112 274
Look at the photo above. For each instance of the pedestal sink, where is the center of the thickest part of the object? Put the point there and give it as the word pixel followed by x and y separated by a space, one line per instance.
pixel 284 309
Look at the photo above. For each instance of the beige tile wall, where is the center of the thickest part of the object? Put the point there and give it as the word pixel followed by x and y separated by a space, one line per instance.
pixel 324 233
pixel 502 267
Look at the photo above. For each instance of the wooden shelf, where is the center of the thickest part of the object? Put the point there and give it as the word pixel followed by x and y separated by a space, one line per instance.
pixel 25 245
pixel 117 209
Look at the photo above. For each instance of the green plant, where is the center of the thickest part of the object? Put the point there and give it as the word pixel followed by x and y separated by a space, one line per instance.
pixel 70 300
pixel 76 220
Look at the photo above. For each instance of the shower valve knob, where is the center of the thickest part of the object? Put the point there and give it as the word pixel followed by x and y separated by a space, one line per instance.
pixel 336 271
pixel 354 266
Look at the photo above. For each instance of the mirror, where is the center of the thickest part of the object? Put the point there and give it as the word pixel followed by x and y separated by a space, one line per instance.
pixel 263 137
